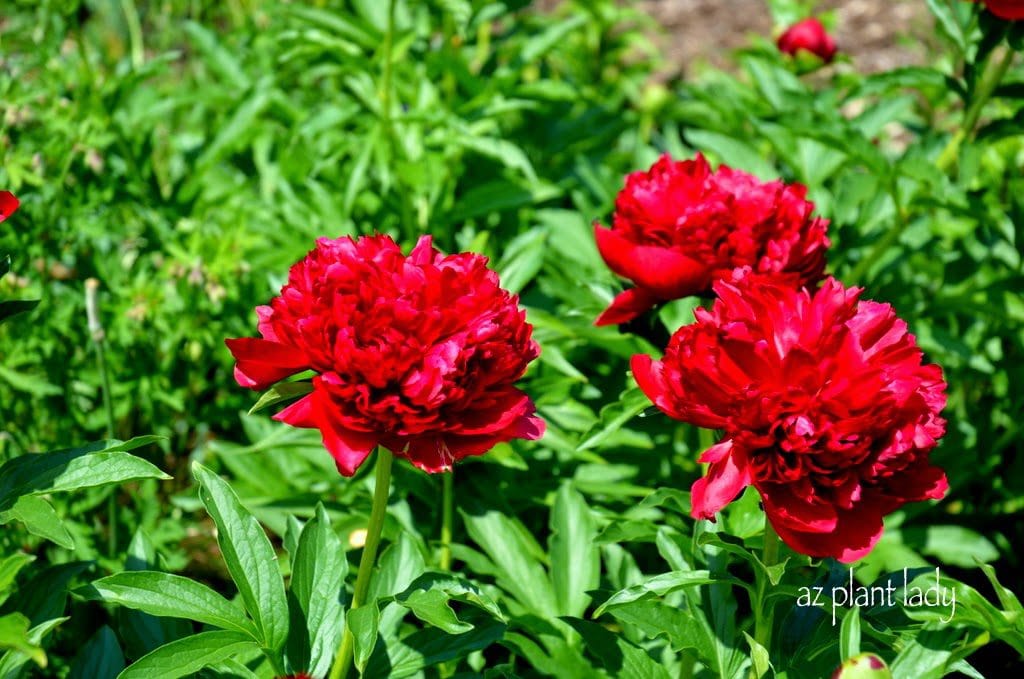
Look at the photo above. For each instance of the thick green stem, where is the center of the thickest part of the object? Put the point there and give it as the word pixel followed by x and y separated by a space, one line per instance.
pixel 447 509
pixel 994 74
pixel 131 19
pixel 343 661
pixel 764 609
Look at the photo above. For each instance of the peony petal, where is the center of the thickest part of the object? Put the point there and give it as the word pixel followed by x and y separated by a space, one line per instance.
pixel 784 508
pixel 299 414
pixel 261 363
pixel 720 486
pixel 855 534
pixel 664 273
pixel 626 306
pixel 8 204
pixel 348 448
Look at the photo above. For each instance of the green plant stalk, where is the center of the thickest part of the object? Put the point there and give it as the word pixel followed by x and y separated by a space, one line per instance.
pixel 343 661
pixel 131 18
pixel 764 609
pixel 96 332
pixel 994 74
pixel 447 509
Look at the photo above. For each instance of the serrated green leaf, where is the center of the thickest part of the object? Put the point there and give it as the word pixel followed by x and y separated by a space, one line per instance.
pixel 166 595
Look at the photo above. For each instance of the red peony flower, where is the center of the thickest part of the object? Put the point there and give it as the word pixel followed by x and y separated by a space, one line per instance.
pixel 679 226
pixel 8 204
pixel 810 36
pixel 417 353
pixel 825 406
pixel 1006 9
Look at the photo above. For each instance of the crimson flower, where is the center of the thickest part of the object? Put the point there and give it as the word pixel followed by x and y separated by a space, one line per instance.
pixel 416 353
pixel 808 35
pixel 1006 9
pixel 679 226
pixel 8 204
pixel 824 403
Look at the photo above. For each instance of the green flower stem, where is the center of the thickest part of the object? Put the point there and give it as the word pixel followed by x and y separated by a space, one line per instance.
pixel 764 610
pixel 989 82
pixel 343 661
pixel 92 316
pixel 447 509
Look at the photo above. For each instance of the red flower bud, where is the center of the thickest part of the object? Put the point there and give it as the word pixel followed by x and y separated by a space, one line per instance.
pixel 808 35
pixel 863 666
pixel 416 353
pixel 824 403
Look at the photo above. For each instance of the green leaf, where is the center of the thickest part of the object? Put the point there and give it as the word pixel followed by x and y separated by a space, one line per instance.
pixel 249 558
pixel 11 307
pixel 318 574
pixel 186 656
pixel 758 656
pixel 849 634
pixel 431 606
pixel 616 654
pixel 363 622
pixel 575 561
pixel 97 464
pixel 29 384
pixel 660 585
pixel 452 587
pixel 40 519
pixel 14 634
pixel 100 658
pixel 9 567
pixel 425 648
pixel 522 259
pixel 511 549
pixel 166 595
pixel 281 392
pixel 613 416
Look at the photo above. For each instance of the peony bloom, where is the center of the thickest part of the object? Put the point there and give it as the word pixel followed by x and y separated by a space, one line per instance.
pixel 1006 9
pixel 809 36
pixel 416 353
pixel 824 403
pixel 8 204
pixel 679 226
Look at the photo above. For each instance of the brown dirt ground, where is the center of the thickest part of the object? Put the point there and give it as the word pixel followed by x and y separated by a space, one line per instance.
pixel 875 34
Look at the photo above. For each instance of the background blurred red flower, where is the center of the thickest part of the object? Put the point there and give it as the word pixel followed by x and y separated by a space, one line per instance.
pixel 1006 9
pixel 808 35
pixel 679 226
pixel 418 354
pixel 8 204
pixel 825 405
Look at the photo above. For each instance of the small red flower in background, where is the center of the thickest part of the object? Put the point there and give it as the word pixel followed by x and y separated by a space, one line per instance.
pixel 8 204
pixel 825 405
pixel 1006 9
pixel 808 35
pixel 679 226
pixel 417 353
